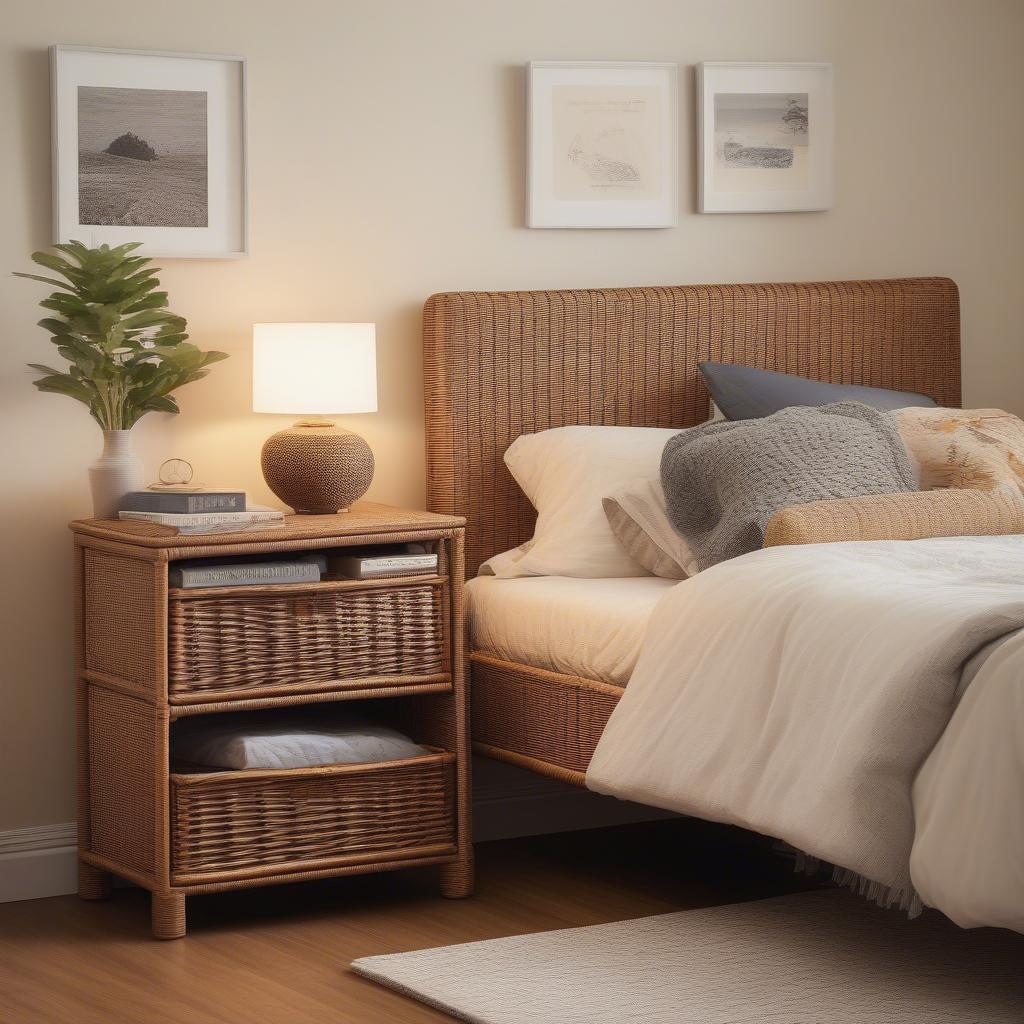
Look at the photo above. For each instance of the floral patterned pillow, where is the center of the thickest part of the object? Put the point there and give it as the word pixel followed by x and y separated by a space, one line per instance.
pixel 980 449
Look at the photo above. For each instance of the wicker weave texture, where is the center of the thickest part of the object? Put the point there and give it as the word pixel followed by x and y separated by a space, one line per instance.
pixel 366 520
pixel 287 639
pixel 237 821
pixel 501 364
pixel 124 736
pixel 539 715
pixel 168 915
pixel 93 884
pixel 946 513
pixel 120 616
pixel 317 469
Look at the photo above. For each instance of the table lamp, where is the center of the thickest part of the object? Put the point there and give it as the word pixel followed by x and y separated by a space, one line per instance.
pixel 314 371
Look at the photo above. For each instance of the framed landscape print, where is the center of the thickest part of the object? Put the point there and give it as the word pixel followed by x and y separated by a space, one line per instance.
pixel 603 145
pixel 149 147
pixel 765 137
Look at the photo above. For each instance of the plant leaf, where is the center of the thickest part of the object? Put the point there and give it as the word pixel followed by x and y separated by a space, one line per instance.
pixel 45 280
pixel 125 350
pixel 162 404
pixel 74 249
pixel 62 384
pixel 51 262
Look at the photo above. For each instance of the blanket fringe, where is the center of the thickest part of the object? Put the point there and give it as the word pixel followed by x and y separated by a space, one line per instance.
pixel 903 897
pixel 805 864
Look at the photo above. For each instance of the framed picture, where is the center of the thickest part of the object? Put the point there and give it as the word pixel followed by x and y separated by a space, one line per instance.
pixel 765 137
pixel 149 147
pixel 603 145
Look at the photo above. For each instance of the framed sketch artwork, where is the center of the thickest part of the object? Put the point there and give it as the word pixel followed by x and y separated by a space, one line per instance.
pixel 149 147
pixel 603 145
pixel 765 137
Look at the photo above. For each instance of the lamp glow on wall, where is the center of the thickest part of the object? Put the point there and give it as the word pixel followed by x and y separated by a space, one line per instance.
pixel 315 371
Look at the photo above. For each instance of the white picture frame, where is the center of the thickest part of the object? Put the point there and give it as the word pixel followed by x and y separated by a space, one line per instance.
pixel 603 144
pixel 183 190
pixel 765 136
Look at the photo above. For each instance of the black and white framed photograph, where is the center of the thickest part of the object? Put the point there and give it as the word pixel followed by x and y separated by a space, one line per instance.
pixel 150 147
pixel 765 136
pixel 603 145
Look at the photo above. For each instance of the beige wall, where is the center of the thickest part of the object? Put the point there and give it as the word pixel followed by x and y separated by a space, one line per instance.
pixel 387 156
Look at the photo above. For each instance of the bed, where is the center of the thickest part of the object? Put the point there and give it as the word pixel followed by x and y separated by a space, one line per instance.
pixel 501 364
pixel 588 628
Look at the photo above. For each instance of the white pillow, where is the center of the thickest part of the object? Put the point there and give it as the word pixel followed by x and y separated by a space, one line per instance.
pixel 639 519
pixel 566 472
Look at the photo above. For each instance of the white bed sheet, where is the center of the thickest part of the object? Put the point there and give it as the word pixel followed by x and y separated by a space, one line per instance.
pixel 586 627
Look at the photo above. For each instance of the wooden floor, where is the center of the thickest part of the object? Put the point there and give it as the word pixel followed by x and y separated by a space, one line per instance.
pixel 281 955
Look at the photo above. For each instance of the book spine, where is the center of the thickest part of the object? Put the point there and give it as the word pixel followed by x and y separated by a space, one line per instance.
pixel 184 504
pixel 379 574
pixel 371 568
pixel 244 575
pixel 271 524
pixel 398 562
pixel 209 503
pixel 220 519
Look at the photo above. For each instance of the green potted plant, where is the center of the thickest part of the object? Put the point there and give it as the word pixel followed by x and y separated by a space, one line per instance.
pixel 126 351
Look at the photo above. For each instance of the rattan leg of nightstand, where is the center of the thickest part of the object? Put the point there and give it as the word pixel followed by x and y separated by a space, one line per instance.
pixel 457 879
pixel 168 914
pixel 93 883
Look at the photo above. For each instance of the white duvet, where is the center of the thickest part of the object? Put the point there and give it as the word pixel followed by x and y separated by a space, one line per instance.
pixel 863 702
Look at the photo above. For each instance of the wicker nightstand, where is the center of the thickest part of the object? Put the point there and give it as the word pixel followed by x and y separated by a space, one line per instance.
pixel 148 656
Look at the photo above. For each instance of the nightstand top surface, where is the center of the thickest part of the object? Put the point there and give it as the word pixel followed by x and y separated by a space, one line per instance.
pixel 366 518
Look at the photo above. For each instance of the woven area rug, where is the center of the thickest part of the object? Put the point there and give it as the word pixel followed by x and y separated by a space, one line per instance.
pixel 823 957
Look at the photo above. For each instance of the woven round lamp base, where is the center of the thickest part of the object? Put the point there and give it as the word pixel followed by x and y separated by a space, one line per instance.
pixel 317 467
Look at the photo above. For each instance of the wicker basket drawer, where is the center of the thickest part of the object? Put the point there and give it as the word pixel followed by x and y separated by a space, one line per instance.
pixel 244 824
pixel 263 641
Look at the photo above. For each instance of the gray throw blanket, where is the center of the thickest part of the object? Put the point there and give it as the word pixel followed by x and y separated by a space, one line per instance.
pixel 723 481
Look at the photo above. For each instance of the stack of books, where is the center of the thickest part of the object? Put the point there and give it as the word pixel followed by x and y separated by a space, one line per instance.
pixel 242 572
pixel 383 561
pixel 198 512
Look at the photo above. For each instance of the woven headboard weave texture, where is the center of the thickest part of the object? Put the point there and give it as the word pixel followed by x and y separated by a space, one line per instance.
pixel 501 364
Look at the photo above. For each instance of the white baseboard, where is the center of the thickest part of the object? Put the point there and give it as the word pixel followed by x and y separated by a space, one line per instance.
pixel 508 803
pixel 38 862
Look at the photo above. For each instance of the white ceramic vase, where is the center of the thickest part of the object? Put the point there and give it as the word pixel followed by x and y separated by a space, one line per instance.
pixel 116 472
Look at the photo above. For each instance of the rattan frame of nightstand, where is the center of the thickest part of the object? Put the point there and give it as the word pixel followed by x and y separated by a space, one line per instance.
pixel 124 708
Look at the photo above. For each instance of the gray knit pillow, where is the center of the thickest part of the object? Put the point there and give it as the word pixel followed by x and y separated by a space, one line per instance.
pixel 723 481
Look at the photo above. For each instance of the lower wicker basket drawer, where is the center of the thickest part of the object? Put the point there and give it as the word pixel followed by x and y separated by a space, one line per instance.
pixel 248 824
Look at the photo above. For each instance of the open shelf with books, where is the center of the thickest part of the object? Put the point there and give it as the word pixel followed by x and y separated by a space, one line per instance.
pixel 381 562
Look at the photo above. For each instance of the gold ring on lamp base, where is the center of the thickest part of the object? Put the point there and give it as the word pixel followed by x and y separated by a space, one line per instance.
pixel 316 467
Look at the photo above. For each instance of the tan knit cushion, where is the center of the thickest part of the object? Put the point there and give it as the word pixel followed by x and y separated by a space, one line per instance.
pixel 913 516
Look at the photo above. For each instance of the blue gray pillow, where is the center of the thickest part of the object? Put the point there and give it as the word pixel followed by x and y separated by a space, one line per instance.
pixel 744 393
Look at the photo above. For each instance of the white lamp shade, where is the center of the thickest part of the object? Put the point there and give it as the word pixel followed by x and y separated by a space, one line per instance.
pixel 315 369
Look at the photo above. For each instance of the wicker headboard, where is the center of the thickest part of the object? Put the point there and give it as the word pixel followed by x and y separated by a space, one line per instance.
pixel 501 364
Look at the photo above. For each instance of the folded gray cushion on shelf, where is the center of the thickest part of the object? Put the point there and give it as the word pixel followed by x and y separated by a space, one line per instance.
pixel 297 738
